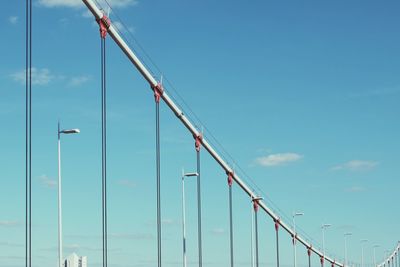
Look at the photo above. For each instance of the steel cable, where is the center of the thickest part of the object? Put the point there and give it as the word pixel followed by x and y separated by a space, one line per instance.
pixel 104 149
pixel 199 209
pixel 28 134
pixel 158 174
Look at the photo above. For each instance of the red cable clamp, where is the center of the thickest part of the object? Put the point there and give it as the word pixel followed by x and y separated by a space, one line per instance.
pixel 277 224
pixel 255 204
pixel 198 141
pixel 333 263
pixel 322 260
pixel 230 178
pixel 158 91
pixel 104 23
pixel 309 251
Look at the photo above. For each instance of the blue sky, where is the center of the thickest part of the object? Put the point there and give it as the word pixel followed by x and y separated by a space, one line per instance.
pixel 303 95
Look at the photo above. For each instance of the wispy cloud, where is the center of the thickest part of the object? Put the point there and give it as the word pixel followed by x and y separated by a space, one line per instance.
pixel 126 183
pixel 356 165
pixel 47 182
pixel 13 20
pixel 6 223
pixel 39 76
pixel 278 159
pixel 78 80
pixel 79 3
pixel 355 189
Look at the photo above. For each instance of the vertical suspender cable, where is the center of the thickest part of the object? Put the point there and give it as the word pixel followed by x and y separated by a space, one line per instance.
pixel 104 148
pixel 255 207
pixel 198 142
pixel 256 236
pixel 230 181
pixel 309 256
pixel 158 182
pixel 277 242
pixel 28 137
pixel 199 209
pixel 158 91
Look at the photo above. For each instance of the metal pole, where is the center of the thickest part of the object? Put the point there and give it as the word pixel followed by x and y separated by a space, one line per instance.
pixel 183 219
pixel 323 241
pixel 199 210
pixel 345 249
pixel 362 255
pixel 252 237
pixel 256 235
pixel 60 256
pixel 230 219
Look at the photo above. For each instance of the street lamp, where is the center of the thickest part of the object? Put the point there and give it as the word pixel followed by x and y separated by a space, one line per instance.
pixel 294 235
pixel 362 250
pixel 326 225
pixel 345 247
pixel 190 174
pixel 374 247
pixel 59 132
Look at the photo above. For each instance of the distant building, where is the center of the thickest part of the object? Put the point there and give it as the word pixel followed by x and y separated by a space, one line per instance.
pixel 74 260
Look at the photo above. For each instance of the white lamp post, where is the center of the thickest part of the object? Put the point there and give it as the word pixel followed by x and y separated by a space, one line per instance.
pixel 345 247
pixel 59 132
pixel 191 174
pixel 294 237
pixel 374 247
pixel 363 241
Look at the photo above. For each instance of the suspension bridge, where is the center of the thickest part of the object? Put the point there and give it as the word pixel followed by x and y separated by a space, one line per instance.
pixel 108 30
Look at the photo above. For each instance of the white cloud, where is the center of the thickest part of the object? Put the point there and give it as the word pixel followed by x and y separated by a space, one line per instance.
pixel 39 76
pixel 79 3
pixel 13 19
pixel 356 165
pixel 278 159
pixel 78 80
pixel 47 182
pixel 8 223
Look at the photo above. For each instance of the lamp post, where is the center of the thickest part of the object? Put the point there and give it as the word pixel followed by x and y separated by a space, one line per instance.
pixel 59 132
pixel 374 247
pixel 326 225
pixel 345 247
pixel 363 241
pixel 190 174
pixel 294 235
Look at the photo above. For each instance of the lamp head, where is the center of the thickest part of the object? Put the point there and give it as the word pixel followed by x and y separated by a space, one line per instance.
pixel 70 131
